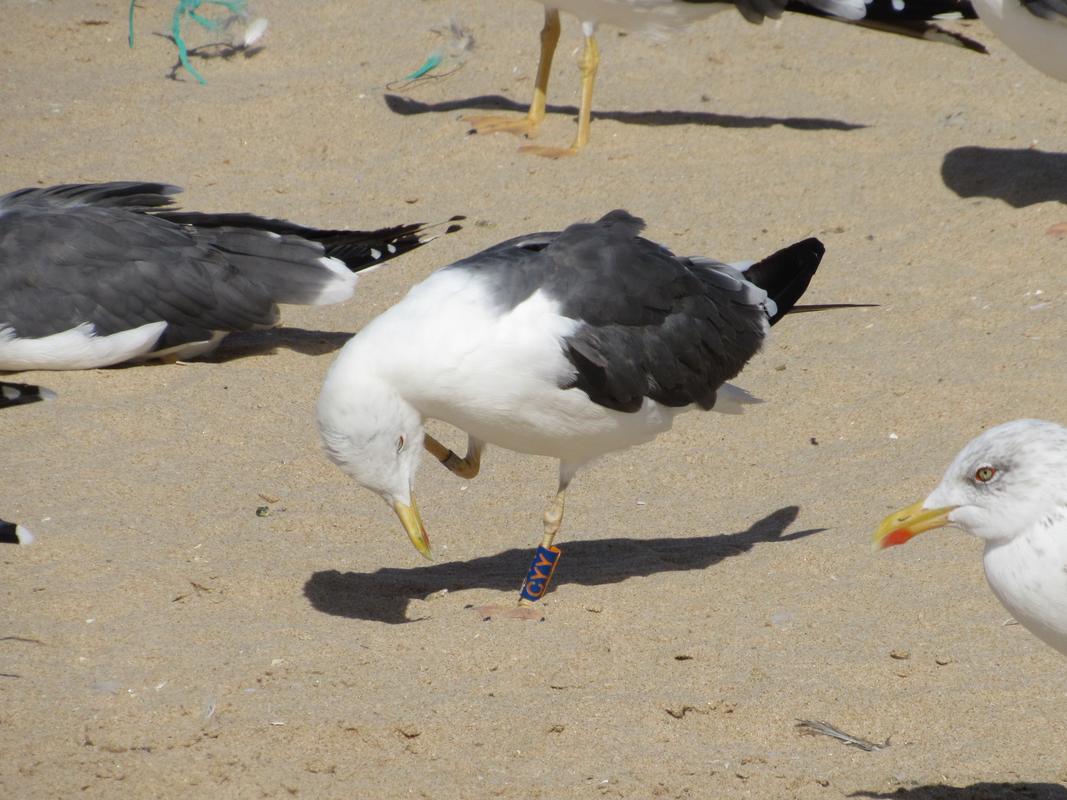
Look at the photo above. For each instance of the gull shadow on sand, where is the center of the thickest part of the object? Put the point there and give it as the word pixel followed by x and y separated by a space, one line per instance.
pixel 976 791
pixel 1019 177
pixel 495 102
pixel 242 344
pixel 383 595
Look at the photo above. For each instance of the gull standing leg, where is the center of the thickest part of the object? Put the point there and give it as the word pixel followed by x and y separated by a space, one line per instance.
pixel 547 556
pixel 466 467
pixel 528 124
pixel 589 64
pixel 544 562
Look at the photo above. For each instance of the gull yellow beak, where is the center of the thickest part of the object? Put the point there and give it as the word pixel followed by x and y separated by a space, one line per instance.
pixel 412 522
pixel 901 525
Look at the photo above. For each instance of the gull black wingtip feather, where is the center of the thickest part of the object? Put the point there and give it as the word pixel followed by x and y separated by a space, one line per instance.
pixel 785 275
pixel 20 394
pixel 12 533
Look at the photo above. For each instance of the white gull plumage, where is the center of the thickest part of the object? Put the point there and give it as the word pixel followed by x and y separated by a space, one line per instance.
pixel 1008 487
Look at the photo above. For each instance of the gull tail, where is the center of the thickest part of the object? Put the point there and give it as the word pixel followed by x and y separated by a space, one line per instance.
pixel 19 394
pixel 785 275
pixel 915 18
pixel 300 265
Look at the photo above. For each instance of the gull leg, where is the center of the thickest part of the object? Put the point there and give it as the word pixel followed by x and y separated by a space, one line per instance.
pixel 466 467
pixel 528 124
pixel 589 64
pixel 544 562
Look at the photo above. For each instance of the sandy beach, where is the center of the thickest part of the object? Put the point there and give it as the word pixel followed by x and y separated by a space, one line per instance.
pixel 162 640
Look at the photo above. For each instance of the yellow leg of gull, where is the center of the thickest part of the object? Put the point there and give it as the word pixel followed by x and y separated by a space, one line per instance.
pixel 590 62
pixel 553 520
pixel 466 467
pixel 528 124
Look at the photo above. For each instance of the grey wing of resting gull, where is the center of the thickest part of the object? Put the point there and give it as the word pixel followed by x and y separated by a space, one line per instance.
pixel 99 274
pixel 918 18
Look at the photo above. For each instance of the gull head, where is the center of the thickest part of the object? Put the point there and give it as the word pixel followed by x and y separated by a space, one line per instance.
pixel 1002 483
pixel 376 437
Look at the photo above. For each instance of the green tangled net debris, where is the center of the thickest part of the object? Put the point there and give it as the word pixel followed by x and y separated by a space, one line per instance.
pixel 188 8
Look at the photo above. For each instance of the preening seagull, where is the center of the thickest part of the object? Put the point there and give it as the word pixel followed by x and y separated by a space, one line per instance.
pixel 569 344
pixel 99 274
pixel 1008 487
pixel 1035 29
pixel 657 17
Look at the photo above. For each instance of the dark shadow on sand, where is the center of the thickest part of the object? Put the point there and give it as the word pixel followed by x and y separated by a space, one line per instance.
pixel 1018 177
pixel 383 596
pixel 494 102
pixel 242 344
pixel 976 791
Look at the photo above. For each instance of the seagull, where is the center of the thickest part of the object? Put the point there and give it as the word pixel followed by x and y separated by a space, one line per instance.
pixel 1008 487
pixel 98 274
pixel 659 17
pixel 569 344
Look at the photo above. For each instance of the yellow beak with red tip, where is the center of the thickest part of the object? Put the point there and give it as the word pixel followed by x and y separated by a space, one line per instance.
pixel 412 522
pixel 901 525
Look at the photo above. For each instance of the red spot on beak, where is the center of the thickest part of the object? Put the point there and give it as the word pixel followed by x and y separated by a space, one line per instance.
pixel 899 536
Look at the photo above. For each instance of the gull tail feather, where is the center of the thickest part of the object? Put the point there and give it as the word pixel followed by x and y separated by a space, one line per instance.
pixel 359 250
pixel 20 394
pixel 11 533
pixel 730 399
pixel 785 275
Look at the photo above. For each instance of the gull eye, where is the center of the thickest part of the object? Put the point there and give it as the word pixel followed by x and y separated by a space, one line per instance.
pixel 400 443
pixel 985 474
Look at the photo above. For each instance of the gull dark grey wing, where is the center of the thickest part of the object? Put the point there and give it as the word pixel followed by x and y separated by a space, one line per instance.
pixel 130 195
pixel 653 324
pixel 357 249
pixel 61 267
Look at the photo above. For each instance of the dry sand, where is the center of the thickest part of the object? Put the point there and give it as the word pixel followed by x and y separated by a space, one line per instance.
pixel 162 640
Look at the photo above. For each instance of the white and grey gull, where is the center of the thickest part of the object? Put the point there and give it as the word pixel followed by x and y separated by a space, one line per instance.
pixel 98 274
pixel 1008 487
pixel 568 344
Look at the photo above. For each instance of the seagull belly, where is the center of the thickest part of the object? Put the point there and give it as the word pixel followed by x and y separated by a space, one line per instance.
pixel 1028 574
pixel 77 348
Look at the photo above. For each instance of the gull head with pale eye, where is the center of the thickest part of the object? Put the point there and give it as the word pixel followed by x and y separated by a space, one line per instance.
pixel 1002 484
pixel 1009 488
pixel 375 437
